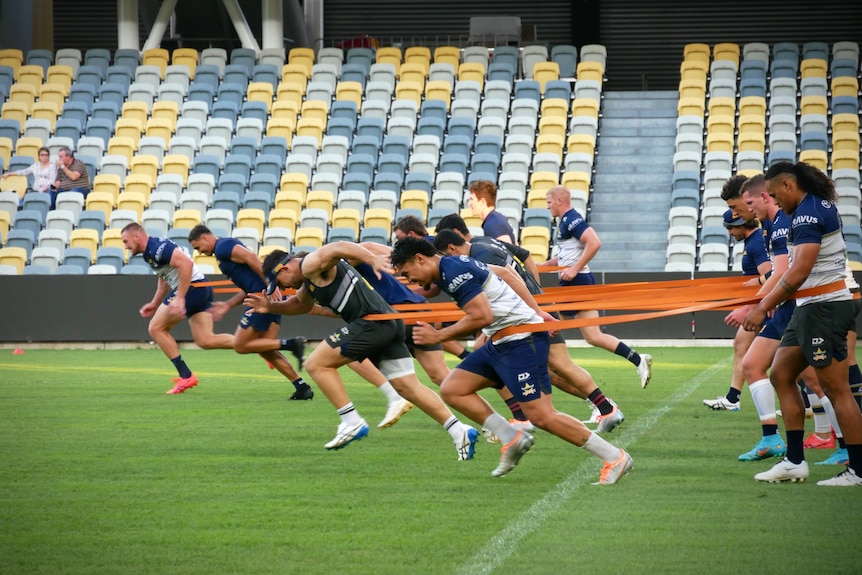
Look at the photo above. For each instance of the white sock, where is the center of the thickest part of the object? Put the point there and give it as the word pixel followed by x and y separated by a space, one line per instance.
pixel 602 449
pixel 349 415
pixel 821 420
pixel 387 390
pixel 764 399
pixel 500 427
pixel 830 413
pixel 455 428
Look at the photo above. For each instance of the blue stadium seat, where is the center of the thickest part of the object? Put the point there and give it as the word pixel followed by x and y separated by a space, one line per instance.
pixel 119 75
pixel 274 146
pixel 110 256
pixel 457 144
pixel 226 199
pixel 231 92
pixel 200 92
pixel 389 181
pixel 37 201
pixel 226 109
pixel 205 164
pixel 454 163
pixel 255 110
pixel 353 72
pixel 558 89
pixel 343 109
pixel 361 164
pixel 431 126
pixel 373 127
pixel 127 58
pixel 90 75
pixel 500 71
pixel 244 145
pixel 242 57
pixel 269 164
pixel 263 183
pixel 113 93
pixel 238 164
pixel 419 181
pixel 433 109
pixel 83 93
pixel 367 145
pixel 566 57
pixel 266 73
pixel 20 238
pixel 207 74
pixel 79 257
pixel 106 110
pixel 10 129
pixel 399 145
pixel 357 181
pixel 528 89
pixel 258 200
pixel 100 128
pixel 237 75
pixel 341 127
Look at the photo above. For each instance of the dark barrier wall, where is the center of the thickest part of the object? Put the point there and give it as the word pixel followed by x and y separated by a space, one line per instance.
pixel 105 308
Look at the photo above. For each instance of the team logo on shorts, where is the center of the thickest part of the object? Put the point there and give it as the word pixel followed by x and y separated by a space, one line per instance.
pixel 817 341
pixel 527 388
pixel 818 355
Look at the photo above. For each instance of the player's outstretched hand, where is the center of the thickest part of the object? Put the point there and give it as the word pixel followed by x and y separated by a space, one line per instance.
pixel 257 301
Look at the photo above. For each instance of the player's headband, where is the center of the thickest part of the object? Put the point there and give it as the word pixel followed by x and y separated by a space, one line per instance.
pixel 274 272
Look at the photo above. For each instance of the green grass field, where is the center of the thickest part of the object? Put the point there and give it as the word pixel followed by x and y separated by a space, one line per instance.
pixel 101 472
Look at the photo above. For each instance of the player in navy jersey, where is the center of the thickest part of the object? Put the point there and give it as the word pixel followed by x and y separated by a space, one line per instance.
pixel 565 374
pixel 518 361
pixel 324 277
pixel 176 299
pixel 578 243
pixel 775 224
pixel 256 333
pixel 483 202
pixel 817 333
pixel 755 262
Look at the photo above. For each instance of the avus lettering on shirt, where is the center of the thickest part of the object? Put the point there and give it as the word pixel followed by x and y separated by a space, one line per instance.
pixel 458 280
pixel 158 255
pixel 572 224
pixel 779 233
pixel 805 219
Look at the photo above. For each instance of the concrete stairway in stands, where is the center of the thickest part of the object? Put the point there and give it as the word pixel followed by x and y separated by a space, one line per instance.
pixel 631 193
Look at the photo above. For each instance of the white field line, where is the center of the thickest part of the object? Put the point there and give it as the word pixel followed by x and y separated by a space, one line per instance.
pixel 505 543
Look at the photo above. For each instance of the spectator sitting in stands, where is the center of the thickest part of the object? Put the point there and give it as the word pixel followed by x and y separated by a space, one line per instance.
pixel 44 173
pixel 72 175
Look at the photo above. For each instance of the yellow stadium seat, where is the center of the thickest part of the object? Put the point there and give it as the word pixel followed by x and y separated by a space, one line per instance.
pixel 202 260
pixel 577 181
pixel 813 68
pixel 85 238
pixel 32 75
pixel 845 122
pixel 752 123
pixel 553 125
pixel 283 218
pixel 312 127
pixel 266 250
pixel 28 147
pixel 251 218
pixel 690 107
pixel 260 92
pixel 140 184
pixel 813 105
pixel 692 89
pixel 390 55
pixel 439 90
pixel 187 57
pixel 156 57
pixel 315 109
pixel 145 165
pixel 585 107
pixel 17 184
pixel 15 111
pixel 176 164
pixel 129 128
pixel 295 183
pixel 24 93
pixel 102 201
pixel 295 74
pixel 845 86
pixel 12 57
pixel 6 150
pixel 472 71
pixel 405 90
pixel 537 240
pixel 748 173
pixel 719 142
pixel 54 94
pixel 290 92
pixel 378 218
pixel 726 51
pixel 415 199
pixel 471 220
pixel 187 218
pixel 320 200
pixel 544 72
pixel 132 201
pixel 816 158
pixel 694 70
pixel 285 109
pixel 719 124
pixel 302 57
pixel 350 91
pixel 281 127
pixel 347 218
pixel 14 256
pixel 722 106
pixel 166 110
pixel 108 183
pixel 5 222
pixel 45 111
pixel 418 55
pixel 590 71
pixel 414 73
pixel 536 197
pixel 289 200
pixel 846 140
pixel 113 238
pixel 697 51
pixel 550 144
pixel 448 55
pixel 843 159
pixel 581 144
pixel 753 141
pixel 752 105
pixel 544 180
pixel 119 146
pixel 160 128
pixel 308 237
pixel 136 111
pixel 59 75
pixel 556 107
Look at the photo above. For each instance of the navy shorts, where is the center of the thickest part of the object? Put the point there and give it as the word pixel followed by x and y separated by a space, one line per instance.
pixel 582 279
pixel 258 321
pixel 774 327
pixel 521 365
pixel 857 308
pixel 374 340
pixel 820 329
pixel 198 299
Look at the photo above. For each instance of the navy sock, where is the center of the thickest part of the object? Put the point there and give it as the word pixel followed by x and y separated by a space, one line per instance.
pixel 182 369
pixel 770 429
pixel 598 399
pixel 856 384
pixel 299 383
pixel 625 351
pixel 515 407
pixel 463 354
pixel 732 395
pixel 795 451
pixel 289 344
pixel 841 443
pixel 854 453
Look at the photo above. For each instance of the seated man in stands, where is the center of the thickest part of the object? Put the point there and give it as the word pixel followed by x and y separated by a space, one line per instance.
pixel 72 175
